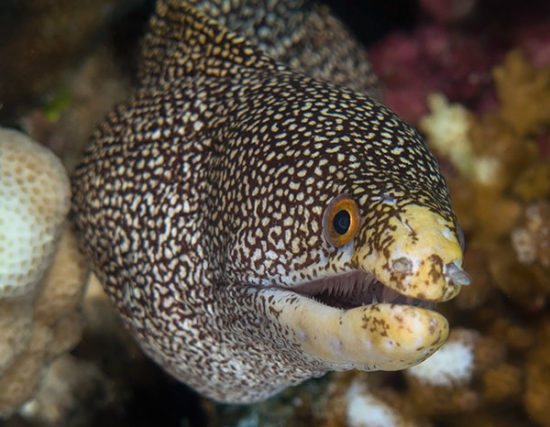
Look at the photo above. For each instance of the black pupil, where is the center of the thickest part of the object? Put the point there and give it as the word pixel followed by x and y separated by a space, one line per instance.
pixel 341 222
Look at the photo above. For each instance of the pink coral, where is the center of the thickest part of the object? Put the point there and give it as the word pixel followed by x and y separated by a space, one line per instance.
pixel 445 11
pixel 432 59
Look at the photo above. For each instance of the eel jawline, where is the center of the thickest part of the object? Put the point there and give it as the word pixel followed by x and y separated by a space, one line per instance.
pixel 372 337
pixel 355 289
pixel 354 321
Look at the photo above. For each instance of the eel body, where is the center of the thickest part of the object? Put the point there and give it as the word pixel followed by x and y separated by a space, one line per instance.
pixel 257 216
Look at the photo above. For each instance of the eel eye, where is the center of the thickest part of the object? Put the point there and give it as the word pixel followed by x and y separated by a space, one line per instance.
pixel 341 220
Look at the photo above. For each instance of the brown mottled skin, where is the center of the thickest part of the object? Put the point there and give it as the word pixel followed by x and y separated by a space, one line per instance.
pixel 201 198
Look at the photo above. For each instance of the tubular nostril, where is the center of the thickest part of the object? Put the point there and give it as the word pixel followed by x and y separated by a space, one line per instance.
pixel 457 275
pixel 402 265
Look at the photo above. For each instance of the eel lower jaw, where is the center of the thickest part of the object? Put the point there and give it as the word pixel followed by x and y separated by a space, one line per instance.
pixel 353 321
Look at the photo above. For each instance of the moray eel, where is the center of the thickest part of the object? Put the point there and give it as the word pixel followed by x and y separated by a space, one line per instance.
pixel 256 215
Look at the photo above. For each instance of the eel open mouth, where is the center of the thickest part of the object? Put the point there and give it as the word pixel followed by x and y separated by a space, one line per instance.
pixel 354 321
pixel 355 289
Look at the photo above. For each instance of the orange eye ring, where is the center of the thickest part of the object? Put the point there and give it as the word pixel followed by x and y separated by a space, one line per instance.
pixel 341 220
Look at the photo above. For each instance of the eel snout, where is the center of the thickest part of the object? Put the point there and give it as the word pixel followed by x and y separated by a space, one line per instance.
pixel 421 257
pixel 380 316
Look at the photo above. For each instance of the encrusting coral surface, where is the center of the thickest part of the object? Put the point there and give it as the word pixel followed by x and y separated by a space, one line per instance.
pixel 42 274
pixel 491 130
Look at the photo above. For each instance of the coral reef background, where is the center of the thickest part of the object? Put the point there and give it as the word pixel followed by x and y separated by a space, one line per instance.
pixel 473 76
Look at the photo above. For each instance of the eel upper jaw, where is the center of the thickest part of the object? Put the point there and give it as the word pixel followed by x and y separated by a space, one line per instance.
pixel 360 288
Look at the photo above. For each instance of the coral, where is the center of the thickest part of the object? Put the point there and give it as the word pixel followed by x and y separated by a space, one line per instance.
pixel 524 93
pixel 537 393
pixel 454 51
pixel 448 10
pixel 365 409
pixel 502 205
pixel 447 129
pixel 43 39
pixel 358 401
pixel 54 328
pixel 15 330
pixel 442 383
pixel 42 272
pixel 500 180
pixel 533 182
pixel 502 382
pixel 522 284
pixel 68 132
pixel 432 59
pixel 34 200
pixel 531 238
pixel 501 177
pixel 70 390
pixel 452 365
pixel 534 40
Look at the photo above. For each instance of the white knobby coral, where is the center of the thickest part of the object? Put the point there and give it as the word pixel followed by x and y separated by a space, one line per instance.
pixel 42 274
pixel 531 240
pixel 364 409
pixel 452 365
pixel 34 200
pixel 447 128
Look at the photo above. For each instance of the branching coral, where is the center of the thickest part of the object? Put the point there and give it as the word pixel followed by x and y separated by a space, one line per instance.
pixel 448 130
pixel 501 164
pixel 41 272
pixel 365 409
pixel 501 198
pixel 531 239
pixel 442 383
pixel 523 94
pixel 452 365
pixel 360 402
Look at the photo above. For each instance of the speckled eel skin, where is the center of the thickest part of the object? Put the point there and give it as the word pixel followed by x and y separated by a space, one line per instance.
pixel 257 216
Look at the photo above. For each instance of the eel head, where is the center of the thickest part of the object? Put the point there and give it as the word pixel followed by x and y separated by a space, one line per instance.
pixel 374 310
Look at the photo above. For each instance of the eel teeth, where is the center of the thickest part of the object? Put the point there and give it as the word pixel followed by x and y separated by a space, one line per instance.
pixel 353 290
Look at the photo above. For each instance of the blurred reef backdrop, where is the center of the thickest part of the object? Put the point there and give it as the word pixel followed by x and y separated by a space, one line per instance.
pixel 473 76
